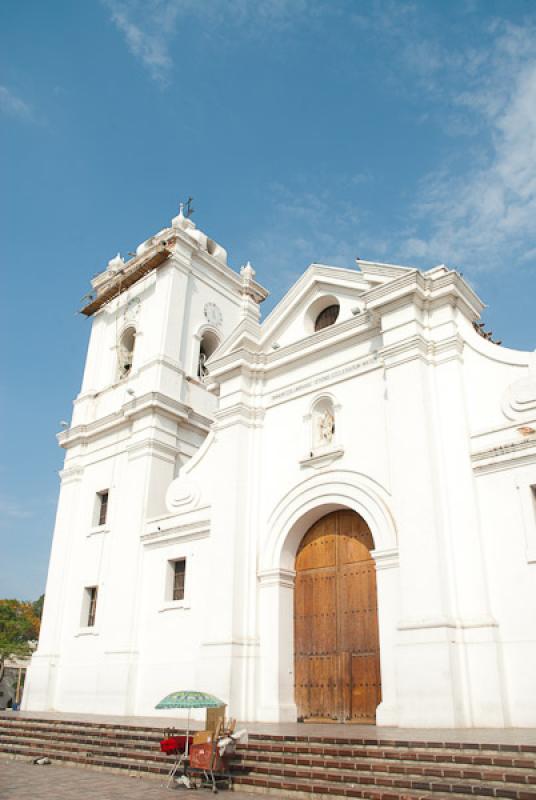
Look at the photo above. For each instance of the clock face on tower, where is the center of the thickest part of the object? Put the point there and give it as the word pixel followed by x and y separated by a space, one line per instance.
pixel 213 314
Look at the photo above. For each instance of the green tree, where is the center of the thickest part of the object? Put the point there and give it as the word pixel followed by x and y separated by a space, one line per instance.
pixel 38 607
pixel 19 626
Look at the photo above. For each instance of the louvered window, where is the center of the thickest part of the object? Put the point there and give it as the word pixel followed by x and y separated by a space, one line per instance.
pixel 327 317
pixel 92 605
pixel 102 498
pixel 179 574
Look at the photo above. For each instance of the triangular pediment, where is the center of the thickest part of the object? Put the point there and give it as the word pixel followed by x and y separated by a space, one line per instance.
pixel 320 285
pixel 293 318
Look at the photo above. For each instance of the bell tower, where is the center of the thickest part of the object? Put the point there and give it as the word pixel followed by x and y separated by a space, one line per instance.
pixel 145 406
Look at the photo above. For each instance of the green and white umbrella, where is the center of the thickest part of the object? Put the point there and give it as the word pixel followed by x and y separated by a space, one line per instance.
pixel 189 699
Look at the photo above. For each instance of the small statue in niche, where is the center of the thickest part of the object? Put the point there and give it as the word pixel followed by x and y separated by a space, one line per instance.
pixel 325 428
pixel 202 368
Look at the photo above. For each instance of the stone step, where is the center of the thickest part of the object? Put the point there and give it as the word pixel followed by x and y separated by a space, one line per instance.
pixel 87 759
pixel 136 753
pixel 327 741
pixel 50 747
pixel 511 756
pixel 394 781
pixel 400 761
pixel 326 790
pixel 68 726
pixel 402 767
pixel 272 739
pixel 326 766
pixel 490 756
pixel 45 736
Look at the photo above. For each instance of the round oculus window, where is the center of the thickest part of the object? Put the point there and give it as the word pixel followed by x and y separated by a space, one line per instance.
pixel 327 317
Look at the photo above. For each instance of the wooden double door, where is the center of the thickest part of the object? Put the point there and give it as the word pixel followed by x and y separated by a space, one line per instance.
pixel 337 656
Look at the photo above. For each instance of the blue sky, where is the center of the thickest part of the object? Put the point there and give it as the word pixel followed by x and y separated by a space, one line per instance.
pixel 305 131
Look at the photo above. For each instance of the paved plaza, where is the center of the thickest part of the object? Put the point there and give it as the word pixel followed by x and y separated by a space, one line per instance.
pixel 22 780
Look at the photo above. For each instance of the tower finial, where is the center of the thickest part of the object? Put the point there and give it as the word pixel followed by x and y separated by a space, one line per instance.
pixel 247 272
pixel 183 220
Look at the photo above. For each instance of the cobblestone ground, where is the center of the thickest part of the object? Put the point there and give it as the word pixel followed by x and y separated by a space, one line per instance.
pixel 22 780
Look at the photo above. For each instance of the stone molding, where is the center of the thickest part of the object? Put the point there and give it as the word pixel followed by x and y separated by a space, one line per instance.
pixel 233 643
pixel 324 458
pixel 138 407
pixel 187 532
pixel 240 413
pixel 286 578
pixel 319 493
pixel 152 447
pixel 502 457
pixel 386 559
pixel 445 622
pixel 360 328
pixel 71 474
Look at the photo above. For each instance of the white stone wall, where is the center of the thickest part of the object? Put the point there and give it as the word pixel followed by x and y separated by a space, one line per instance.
pixel 433 446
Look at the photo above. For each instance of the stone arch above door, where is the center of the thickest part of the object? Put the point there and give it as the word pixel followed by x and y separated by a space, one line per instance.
pixel 290 519
pixel 315 497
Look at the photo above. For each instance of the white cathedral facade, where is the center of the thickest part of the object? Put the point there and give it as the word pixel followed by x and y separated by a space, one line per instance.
pixel 329 515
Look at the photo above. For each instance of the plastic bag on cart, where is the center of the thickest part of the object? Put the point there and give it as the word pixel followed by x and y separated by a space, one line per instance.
pixel 227 744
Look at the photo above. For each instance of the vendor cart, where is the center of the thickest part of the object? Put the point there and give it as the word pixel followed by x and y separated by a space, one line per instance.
pixel 209 761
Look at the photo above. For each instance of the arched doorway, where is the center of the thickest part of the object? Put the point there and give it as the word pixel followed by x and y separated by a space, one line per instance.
pixel 336 644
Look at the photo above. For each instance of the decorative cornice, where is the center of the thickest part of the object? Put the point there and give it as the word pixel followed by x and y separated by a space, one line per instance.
pixel 428 291
pixel 495 459
pixel 139 406
pixel 360 328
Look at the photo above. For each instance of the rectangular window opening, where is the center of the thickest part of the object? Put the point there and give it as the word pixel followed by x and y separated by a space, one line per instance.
pixel 179 574
pixel 102 507
pixel 91 592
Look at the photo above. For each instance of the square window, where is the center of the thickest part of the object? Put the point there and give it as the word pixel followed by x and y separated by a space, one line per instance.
pixel 179 575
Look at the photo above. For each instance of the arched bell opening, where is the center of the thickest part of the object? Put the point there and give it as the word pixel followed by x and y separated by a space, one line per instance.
pixel 125 352
pixel 207 345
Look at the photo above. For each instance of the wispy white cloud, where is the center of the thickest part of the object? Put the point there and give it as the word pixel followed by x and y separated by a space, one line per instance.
pixel 483 215
pixel 305 226
pixel 146 33
pixel 12 105
pixel 150 26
